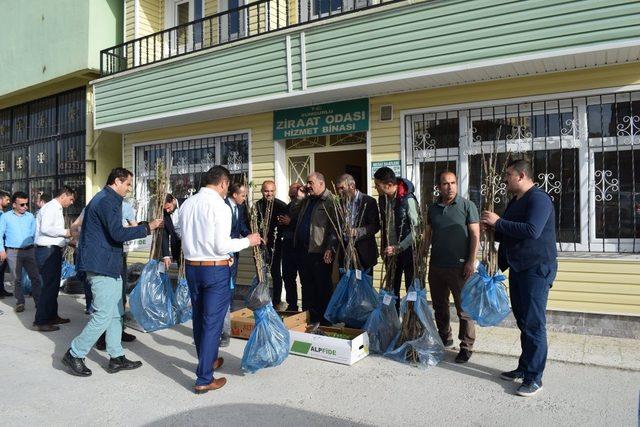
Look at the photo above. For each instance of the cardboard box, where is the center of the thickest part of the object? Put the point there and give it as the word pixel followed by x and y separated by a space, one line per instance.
pixel 242 321
pixel 324 347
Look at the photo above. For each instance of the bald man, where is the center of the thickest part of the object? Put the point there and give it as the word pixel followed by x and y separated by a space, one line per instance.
pixel 274 236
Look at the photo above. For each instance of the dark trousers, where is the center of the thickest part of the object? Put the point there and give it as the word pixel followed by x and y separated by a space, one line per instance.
pixel 275 257
pixel 234 275
pixel 3 268
pixel 529 291
pixel 49 259
pixel 290 261
pixel 443 282
pixel 210 293
pixel 404 266
pixel 317 287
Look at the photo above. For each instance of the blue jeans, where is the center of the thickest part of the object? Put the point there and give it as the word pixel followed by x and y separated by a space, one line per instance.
pixel 49 260
pixel 529 291
pixel 210 295
pixel 107 317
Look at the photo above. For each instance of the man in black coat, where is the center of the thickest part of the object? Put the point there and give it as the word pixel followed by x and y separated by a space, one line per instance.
pixel 365 221
pixel 171 246
pixel 274 234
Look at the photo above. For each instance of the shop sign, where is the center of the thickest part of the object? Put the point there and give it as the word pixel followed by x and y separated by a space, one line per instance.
pixel 326 119
pixel 394 165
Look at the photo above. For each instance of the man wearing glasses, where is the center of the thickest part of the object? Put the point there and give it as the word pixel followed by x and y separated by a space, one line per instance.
pixel 17 233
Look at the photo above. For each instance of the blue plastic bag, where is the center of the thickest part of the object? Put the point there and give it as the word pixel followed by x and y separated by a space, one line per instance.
pixel 151 299
pixel 426 349
pixel 383 323
pixel 363 299
pixel 182 302
pixel 335 309
pixel 268 345
pixel 259 294
pixel 485 298
pixel 68 270
pixel 26 283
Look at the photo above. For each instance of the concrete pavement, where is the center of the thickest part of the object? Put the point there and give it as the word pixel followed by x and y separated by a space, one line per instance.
pixel 375 391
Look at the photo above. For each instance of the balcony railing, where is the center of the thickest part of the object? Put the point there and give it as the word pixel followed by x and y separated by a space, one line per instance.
pixel 251 20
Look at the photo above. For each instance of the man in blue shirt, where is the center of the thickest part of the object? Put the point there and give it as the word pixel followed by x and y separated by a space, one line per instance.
pixel 100 256
pixel 527 235
pixel 17 233
pixel 5 201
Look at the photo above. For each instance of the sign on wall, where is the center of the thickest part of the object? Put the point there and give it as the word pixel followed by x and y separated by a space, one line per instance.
pixel 326 119
pixel 394 165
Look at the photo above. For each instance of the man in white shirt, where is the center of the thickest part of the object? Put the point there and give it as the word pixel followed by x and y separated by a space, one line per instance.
pixel 51 238
pixel 205 221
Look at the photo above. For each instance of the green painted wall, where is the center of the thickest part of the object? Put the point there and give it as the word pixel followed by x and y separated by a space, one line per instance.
pixel 45 40
pixel 410 38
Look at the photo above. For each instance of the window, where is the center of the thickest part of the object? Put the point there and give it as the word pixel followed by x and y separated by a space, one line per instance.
pixel 42 147
pixel 584 151
pixel 188 159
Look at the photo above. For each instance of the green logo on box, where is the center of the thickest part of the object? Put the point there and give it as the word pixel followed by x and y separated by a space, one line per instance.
pixel 300 347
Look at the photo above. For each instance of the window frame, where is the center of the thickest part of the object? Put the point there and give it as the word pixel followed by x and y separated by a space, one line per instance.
pixel 578 137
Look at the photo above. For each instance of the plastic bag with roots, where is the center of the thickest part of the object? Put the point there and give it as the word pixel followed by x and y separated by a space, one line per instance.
pixel 418 342
pixel 484 298
pixel 268 345
pixel 363 299
pixel 383 323
pixel 259 294
pixel 335 311
pixel 151 299
pixel 182 302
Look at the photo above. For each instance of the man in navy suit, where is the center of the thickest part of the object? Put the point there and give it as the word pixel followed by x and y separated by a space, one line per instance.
pixel 100 256
pixel 236 201
pixel 527 235
pixel 171 246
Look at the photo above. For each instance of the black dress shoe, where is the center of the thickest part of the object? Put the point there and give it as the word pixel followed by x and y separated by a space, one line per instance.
pixel 59 321
pixel 127 337
pixel 447 343
pixel 121 363
pixel 46 328
pixel 292 308
pixel 76 365
pixel 463 356
pixel 4 293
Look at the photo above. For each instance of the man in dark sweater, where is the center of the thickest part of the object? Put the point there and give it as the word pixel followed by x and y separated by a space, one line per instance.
pixel 527 235
pixel 274 235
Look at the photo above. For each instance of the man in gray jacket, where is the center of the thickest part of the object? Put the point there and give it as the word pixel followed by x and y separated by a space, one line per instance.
pixel 315 240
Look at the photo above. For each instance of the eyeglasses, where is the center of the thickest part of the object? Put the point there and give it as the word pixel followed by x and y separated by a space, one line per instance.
pixel 23 204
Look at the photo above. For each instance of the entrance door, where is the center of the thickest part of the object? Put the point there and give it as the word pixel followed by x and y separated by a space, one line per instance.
pixel 331 164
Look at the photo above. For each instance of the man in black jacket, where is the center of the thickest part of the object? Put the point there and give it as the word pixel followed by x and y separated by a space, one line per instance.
pixel 171 246
pixel 365 221
pixel 399 215
pixel 278 208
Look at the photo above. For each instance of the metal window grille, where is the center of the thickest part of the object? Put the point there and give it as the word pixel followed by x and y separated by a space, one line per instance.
pixel 42 147
pixel 188 160
pixel 585 153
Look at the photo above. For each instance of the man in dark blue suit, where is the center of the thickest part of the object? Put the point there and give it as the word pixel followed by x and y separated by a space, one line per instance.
pixel 236 201
pixel 527 235
pixel 100 257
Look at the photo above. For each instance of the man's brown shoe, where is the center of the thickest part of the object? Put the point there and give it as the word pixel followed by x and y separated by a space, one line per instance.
pixel 19 308
pixel 217 364
pixel 46 328
pixel 215 384
pixel 59 320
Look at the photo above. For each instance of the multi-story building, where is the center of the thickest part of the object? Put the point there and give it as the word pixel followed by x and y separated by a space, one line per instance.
pixel 279 88
pixel 50 53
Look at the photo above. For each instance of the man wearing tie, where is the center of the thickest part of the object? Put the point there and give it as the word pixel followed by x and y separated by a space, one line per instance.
pixel 205 222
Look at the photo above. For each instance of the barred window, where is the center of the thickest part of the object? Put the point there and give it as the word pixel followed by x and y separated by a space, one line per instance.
pixel 584 152
pixel 188 160
pixel 42 147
